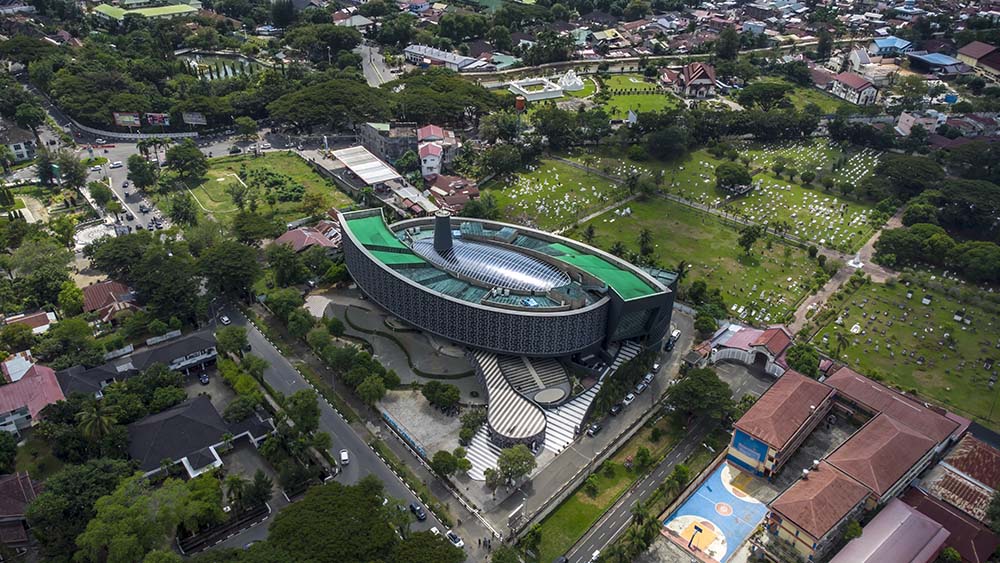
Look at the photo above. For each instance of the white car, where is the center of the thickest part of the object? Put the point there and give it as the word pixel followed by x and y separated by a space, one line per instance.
pixel 656 367
pixel 95 168
pixel 454 539
pixel 628 400
pixel 435 531
pixel 100 141
pixel 640 388
pixel 345 457
pixel 225 320
pixel 648 378
pixel 595 556
pixel 265 145
pixel 117 164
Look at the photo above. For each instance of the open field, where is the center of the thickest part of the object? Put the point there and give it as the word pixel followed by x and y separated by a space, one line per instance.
pixel 802 96
pixel 589 87
pixel 946 350
pixel 764 287
pixel 811 213
pixel 35 457
pixel 649 98
pixel 553 194
pixel 223 172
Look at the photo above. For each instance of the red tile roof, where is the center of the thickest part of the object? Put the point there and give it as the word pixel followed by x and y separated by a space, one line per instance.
pixel 977 50
pixel 323 234
pixel 972 539
pixel 16 492
pixel 34 320
pixel 37 389
pixel 430 149
pixel 880 398
pixel 853 81
pixel 977 459
pixel 698 71
pixel 100 295
pixel 898 534
pixel 819 501
pixel 966 477
pixel 430 132
pixel 785 408
pixel 879 454
pixel 775 339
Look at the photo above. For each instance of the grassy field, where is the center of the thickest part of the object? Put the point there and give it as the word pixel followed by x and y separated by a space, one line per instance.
pixel 802 96
pixel 652 98
pixel 589 87
pixel 892 335
pixel 554 194
pixel 572 519
pixel 35 457
pixel 211 194
pixel 764 287
pixel 812 213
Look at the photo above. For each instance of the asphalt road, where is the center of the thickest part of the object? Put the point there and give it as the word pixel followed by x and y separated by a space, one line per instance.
pixel 373 66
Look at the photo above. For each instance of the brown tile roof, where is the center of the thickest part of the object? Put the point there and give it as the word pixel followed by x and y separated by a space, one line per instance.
pixel 992 60
pixel 785 408
pixel 698 71
pixel 852 81
pixel 16 491
pixel 977 50
pixel 100 295
pixel 879 398
pixel 972 539
pixel 775 339
pixel 977 459
pixel 966 477
pixel 817 502
pixel 34 320
pixel 881 452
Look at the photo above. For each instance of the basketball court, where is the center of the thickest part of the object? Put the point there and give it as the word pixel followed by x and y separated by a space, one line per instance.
pixel 717 518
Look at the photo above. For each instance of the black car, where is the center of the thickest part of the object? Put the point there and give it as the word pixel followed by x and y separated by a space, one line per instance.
pixel 593 429
pixel 616 409
pixel 203 378
pixel 418 511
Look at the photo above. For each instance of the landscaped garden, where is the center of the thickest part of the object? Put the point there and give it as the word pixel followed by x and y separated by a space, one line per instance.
pixel 763 286
pixel 553 195
pixel 279 182
pixel 927 334
pixel 634 92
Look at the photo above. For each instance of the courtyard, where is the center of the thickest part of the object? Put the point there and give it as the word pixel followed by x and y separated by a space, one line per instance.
pixel 937 337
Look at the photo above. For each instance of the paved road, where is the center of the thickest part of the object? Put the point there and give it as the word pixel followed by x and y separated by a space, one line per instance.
pixel 373 66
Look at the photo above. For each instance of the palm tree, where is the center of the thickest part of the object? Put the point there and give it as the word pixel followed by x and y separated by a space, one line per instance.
pixel 639 514
pixel 616 553
pixel 841 342
pixel 236 489
pixel 634 542
pixel 618 249
pixel 6 157
pixel 227 439
pixel 96 420
pixel 682 271
pixel 589 233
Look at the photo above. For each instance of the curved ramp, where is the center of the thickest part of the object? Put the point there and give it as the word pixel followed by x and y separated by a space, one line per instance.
pixel 508 413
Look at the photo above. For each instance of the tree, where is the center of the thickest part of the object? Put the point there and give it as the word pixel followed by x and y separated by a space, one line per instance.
pixel 371 390
pixel 853 530
pixel 515 462
pixel 764 95
pixel 505 554
pixel 187 160
pixel 808 176
pixel 101 193
pixel 441 395
pixel 286 264
pixel 283 301
pixel 804 359
pixel 749 235
pixel 493 479
pixel 231 339
pixel 727 46
pixel 949 555
pixel 730 176
pixel 8 452
pixel 302 408
pixel 701 393
pixel 501 160
pixel 993 512
pixel 408 162
pixel 556 125
pixel 300 322
pixel 426 547
pixel 912 88
pixel 70 299
pixel 824 46
pixel 72 170
pixel 485 207
pixel 246 127
pixel 30 115
pixel 444 463
pixel 61 512
pixel 499 126
pixel 182 209
pixel 230 268
pixel 96 420
pixel 141 172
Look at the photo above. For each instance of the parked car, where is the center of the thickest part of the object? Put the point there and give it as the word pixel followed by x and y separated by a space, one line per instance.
pixel 235 150
pixel 418 511
pixel 345 457
pixel 454 539
pixel 129 216
pixel 100 141
pixel 95 168
pixel 640 388
pixel 596 556
pixel 203 378
pixel 117 164
pixel 656 367
pixel 435 531
pixel 265 145
pixel 225 320
pixel 593 429
pixel 616 409
pixel 648 378
pixel 125 184
pixel 628 400
pixel 143 208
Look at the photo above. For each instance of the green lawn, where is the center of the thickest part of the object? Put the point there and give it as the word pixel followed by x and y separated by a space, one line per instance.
pixel 898 338
pixel 211 194
pixel 567 523
pixel 553 194
pixel 802 96
pixel 35 457
pixel 812 213
pixel 589 87
pixel 650 97
pixel 764 287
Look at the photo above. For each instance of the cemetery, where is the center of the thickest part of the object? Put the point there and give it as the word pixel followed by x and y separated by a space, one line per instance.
pixel 763 287
pixel 923 333
pixel 553 195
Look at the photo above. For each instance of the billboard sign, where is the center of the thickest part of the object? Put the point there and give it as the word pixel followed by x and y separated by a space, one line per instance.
pixel 158 119
pixel 127 119
pixel 194 118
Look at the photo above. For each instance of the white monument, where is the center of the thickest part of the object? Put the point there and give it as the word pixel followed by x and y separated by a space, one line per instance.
pixel 856 261
pixel 536 89
pixel 570 82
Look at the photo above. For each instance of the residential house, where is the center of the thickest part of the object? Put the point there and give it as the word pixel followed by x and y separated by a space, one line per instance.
pixel 431 156
pixel 453 192
pixel 108 299
pixel 190 434
pixel 898 533
pixel 17 491
pixel 388 141
pixel 853 88
pixel 967 478
pixel 811 514
pixel 973 539
pixel 974 52
pixel 767 435
pixel 695 80
pixel 16 366
pixel 39 322
pixel 416 6
pixel 989 66
pixel 751 346
pixel 19 140
pixel 437 148
pixel 929 120
pixel 325 234
pixel 23 400
pixel 12 7
pixel 346 18
pixel 889 46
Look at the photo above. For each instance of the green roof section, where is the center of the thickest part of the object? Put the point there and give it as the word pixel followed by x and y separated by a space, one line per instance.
pixel 627 284
pixel 372 231
pixel 112 12
pixel 397 258
pixel 117 13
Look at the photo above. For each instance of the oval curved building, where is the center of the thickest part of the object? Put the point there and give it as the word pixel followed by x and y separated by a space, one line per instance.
pixel 503 288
